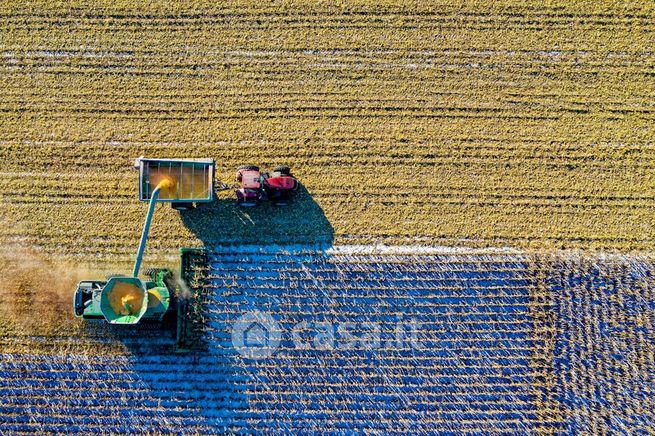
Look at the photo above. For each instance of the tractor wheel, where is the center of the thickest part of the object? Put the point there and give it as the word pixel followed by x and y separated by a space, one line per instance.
pixel 283 170
pixel 248 168
pixel 150 271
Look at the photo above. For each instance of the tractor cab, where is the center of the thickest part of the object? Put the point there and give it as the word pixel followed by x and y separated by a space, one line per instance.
pixel 280 185
pixel 249 190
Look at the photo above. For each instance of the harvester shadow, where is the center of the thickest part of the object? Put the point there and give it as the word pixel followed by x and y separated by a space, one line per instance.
pixel 144 338
pixel 224 222
pixel 209 374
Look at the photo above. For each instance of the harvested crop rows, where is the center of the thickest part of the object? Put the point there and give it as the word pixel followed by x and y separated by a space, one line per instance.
pixel 497 334
pixel 449 122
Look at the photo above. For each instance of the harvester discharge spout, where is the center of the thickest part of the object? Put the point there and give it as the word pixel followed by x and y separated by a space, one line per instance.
pixel 166 184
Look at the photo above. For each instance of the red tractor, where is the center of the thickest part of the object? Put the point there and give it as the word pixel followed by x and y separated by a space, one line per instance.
pixel 255 186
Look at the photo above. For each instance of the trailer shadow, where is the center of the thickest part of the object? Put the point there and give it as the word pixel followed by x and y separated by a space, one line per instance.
pixel 224 222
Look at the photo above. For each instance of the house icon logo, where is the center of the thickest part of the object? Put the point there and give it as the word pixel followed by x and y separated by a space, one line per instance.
pixel 256 335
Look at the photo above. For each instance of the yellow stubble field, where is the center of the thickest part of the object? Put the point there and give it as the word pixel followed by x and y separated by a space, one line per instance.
pixel 446 123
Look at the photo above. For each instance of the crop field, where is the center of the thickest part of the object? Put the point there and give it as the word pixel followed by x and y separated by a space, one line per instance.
pixel 505 342
pixel 450 122
pixel 470 250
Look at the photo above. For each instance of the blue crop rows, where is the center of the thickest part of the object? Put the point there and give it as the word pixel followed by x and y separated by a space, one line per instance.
pixel 435 343
pixel 469 367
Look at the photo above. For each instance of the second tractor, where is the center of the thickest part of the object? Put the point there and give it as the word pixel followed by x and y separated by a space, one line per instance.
pixel 255 186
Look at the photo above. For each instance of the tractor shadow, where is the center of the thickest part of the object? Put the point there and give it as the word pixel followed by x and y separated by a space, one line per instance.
pixel 224 222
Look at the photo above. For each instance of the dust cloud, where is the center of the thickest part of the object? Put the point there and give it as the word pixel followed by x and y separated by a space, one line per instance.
pixel 36 293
